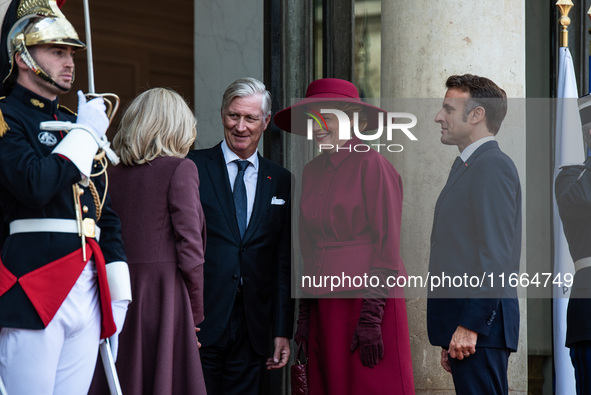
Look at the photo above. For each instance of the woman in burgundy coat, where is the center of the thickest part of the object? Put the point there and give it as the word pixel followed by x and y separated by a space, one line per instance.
pixel 156 194
pixel 357 337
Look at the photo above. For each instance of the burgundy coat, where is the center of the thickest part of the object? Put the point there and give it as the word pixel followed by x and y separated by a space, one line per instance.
pixel 351 207
pixel 164 234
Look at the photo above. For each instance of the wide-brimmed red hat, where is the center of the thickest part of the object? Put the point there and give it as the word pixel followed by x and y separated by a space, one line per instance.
pixel 324 90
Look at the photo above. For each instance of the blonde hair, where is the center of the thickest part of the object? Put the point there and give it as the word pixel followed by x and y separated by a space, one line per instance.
pixel 156 123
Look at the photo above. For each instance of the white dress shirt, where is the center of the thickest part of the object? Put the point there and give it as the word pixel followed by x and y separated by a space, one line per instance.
pixel 250 175
pixel 469 150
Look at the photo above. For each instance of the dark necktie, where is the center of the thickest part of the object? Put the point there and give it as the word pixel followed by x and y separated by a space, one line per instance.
pixel 455 167
pixel 240 196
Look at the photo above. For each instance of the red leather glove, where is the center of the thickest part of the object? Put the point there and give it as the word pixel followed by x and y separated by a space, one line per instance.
pixel 368 334
pixel 303 330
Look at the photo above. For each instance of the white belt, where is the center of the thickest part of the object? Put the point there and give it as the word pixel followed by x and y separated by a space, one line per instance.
pixel 582 263
pixel 58 225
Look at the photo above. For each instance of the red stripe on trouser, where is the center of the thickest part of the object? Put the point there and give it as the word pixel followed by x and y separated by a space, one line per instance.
pixel 48 286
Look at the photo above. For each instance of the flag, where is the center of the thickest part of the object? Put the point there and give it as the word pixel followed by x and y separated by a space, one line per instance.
pixel 569 149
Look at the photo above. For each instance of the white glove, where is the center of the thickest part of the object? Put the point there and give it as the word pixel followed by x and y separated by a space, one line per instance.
pixel 119 308
pixel 93 115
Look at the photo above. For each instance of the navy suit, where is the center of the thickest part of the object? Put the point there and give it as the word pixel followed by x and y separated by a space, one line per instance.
pixel 477 231
pixel 262 258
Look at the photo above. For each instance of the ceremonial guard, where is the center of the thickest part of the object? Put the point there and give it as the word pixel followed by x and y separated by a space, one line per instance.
pixel 573 197
pixel 64 240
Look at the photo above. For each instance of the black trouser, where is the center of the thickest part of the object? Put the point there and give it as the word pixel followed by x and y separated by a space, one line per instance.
pixel 482 373
pixel 580 355
pixel 231 366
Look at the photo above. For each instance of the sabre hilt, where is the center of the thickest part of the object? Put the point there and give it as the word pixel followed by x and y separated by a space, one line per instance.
pixel 111 102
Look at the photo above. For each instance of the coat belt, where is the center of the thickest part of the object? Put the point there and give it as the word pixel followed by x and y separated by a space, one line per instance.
pixel 345 243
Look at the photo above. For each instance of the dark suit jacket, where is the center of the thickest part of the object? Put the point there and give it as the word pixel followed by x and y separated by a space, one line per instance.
pixel 263 257
pixel 477 231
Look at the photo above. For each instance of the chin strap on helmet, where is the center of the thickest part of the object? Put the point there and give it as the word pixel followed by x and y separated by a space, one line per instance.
pixel 40 22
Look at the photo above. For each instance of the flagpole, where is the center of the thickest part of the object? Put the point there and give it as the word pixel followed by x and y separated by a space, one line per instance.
pixel 564 6
pixel 589 75
pixel 568 150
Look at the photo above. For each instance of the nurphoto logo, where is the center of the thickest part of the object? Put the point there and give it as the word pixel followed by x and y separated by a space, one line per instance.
pixel 392 124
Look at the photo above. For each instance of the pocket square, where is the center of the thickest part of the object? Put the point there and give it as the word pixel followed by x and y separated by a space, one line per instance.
pixel 276 201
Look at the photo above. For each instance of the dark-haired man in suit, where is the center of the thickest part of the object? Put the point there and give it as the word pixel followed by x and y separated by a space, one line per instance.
pixel 476 231
pixel 246 201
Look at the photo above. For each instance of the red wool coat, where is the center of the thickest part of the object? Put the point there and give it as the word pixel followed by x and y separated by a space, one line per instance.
pixel 351 208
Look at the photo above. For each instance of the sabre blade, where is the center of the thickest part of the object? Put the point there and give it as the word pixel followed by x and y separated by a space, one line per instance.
pixel 91 88
pixel 110 370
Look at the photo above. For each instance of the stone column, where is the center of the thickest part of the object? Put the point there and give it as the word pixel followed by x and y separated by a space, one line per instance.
pixel 424 42
pixel 228 45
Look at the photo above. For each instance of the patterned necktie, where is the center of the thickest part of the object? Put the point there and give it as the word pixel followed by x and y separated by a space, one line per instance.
pixel 240 195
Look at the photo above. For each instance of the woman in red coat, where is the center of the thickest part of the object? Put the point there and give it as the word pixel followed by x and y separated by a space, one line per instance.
pixel 155 191
pixel 357 336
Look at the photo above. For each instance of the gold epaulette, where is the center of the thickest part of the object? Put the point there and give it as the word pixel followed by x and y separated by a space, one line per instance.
pixel 66 109
pixel 3 126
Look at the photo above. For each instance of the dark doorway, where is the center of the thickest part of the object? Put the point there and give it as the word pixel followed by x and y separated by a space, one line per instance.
pixel 137 45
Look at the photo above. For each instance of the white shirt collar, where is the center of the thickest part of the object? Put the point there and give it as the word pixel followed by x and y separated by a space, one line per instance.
pixel 230 156
pixel 469 150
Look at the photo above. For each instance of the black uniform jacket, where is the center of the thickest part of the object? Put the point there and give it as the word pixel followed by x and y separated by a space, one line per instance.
pixel 573 196
pixel 34 183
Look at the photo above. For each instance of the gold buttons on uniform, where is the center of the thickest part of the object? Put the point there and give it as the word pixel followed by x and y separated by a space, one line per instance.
pixel 84 209
pixel 37 103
